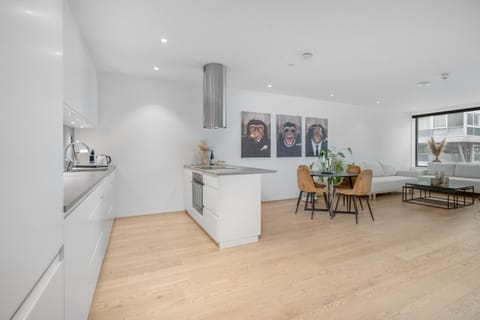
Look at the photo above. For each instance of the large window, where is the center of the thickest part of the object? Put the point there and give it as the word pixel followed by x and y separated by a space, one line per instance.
pixel 461 130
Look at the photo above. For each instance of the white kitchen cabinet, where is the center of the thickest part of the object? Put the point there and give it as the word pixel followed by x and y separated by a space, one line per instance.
pixel 46 300
pixel 231 213
pixel 87 230
pixel 210 198
pixel 31 190
pixel 187 191
pixel 80 84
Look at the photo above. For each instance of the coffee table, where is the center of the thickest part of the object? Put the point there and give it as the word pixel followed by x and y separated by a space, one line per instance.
pixel 452 196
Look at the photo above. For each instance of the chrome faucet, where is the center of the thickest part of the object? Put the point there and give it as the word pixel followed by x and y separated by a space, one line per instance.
pixel 68 164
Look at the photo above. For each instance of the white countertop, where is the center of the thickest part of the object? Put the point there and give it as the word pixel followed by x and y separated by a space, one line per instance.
pixel 224 170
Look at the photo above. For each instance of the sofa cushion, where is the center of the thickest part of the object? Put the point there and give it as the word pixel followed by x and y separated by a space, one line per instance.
pixel 425 178
pixel 388 170
pixel 467 170
pixel 408 173
pixel 389 184
pixel 466 182
pixel 377 170
pixel 447 168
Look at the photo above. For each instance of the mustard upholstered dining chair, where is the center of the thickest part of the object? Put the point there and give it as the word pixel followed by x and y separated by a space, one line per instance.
pixel 361 189
pixel 345 184
pixel 306 184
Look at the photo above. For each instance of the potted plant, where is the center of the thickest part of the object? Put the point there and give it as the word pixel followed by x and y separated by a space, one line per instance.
pixel 333 160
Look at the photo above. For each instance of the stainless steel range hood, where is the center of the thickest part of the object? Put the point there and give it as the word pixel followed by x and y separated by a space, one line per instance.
pixel 214 96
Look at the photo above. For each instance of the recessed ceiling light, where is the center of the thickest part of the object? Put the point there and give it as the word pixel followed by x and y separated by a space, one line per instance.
pixel 377 102
pixel 445 76
pixel 422 84
pixel 156 68
pixel 72 122
pixel 29 12
pixel 81 127
pixel 58 53
pixel 269 85
pixel 332 95
pixel 164 40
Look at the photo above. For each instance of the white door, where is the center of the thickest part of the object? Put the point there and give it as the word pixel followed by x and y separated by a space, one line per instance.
pixel 31 185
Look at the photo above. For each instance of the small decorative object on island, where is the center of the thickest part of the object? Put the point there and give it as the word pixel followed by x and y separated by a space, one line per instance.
pixel 205 153
pixel 256 135
pixel 436 148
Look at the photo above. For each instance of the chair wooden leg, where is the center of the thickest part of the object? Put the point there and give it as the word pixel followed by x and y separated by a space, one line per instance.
pixel 306 200
pixel 370 209
pixel 361 204
pixel 338 200
pixel 313 204
pixel 356 209
pixel 298 201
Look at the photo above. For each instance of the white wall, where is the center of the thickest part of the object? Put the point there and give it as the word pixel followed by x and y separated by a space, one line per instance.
pixel 371 133
pixel 152 127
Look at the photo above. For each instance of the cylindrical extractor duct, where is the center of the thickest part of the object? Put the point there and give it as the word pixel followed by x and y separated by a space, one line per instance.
pixel 214 96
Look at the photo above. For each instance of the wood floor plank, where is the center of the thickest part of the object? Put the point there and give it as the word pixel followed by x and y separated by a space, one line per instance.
pixel 413 262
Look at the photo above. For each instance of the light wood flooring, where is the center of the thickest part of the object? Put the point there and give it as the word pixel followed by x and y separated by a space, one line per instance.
pixel 413 262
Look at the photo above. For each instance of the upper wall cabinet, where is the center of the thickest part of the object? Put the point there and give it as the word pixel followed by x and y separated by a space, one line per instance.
pixel 80 85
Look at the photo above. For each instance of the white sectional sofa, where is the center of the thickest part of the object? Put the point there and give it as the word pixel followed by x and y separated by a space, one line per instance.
pixel 459 173
pixel 386 179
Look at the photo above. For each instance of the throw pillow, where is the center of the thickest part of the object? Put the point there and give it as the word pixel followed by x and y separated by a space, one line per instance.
pixel 388 170
pixel 377 170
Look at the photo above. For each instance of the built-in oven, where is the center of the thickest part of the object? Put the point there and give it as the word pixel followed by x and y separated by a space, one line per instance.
pixel 197 192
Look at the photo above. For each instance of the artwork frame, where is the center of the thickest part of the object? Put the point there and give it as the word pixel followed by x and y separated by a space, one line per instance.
pixel 289 136
pixel 316 136
pixel 256 134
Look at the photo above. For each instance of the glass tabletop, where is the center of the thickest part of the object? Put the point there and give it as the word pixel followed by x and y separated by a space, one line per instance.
pixel 450 186
pixel 332 174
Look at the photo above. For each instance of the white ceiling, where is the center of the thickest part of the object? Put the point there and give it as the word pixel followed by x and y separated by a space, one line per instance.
pixel 363 50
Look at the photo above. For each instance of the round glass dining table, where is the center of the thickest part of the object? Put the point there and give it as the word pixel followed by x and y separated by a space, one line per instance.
pixel 330 176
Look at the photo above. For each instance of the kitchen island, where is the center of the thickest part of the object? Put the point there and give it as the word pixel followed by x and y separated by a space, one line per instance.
pixel 225 201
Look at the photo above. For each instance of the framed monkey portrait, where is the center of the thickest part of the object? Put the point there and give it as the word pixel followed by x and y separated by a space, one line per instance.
pixel 316 136
pixel 256 131
pixel 289 136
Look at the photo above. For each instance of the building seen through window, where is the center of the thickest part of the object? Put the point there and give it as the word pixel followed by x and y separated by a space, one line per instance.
pixel 461 131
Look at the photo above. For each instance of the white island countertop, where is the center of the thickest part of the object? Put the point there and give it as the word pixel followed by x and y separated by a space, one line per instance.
pixel 225 170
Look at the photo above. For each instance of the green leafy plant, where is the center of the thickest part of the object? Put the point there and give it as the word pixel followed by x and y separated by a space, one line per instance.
pixel 335 160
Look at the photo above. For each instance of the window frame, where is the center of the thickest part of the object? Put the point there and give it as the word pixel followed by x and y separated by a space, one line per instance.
pixel 416 116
